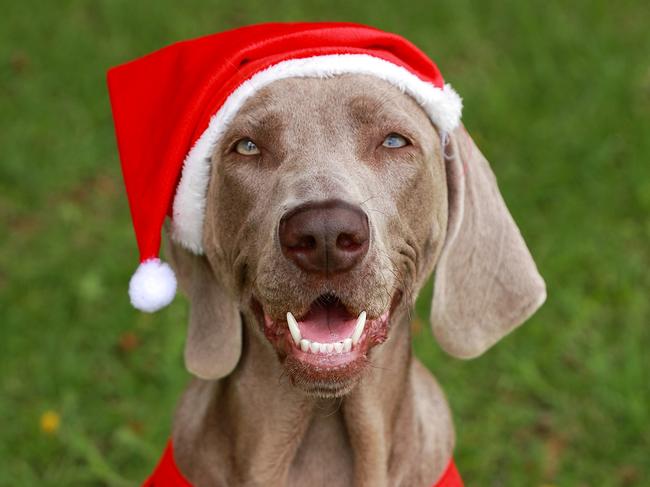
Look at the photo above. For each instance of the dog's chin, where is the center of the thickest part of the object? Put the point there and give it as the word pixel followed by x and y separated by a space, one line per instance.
pixel 325 382
pixel 326 350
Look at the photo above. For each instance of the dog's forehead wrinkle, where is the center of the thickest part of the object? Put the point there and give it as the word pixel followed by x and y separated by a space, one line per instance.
pixel 367 109
pixel 335 95
pixel 261 119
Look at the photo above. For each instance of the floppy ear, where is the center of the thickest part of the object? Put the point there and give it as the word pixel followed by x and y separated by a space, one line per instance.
pixel 486 281
pixel 214 336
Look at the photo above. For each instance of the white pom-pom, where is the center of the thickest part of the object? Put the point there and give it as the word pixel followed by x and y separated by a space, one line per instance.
pixel 152 286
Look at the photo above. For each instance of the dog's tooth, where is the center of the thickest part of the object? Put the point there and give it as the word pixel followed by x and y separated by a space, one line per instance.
pixel 347 344
pixel 338 347
pixel 358 329
pixel 304 345
pixel 314 347
pixel 293 328
pixel 329 347
pixel 323 348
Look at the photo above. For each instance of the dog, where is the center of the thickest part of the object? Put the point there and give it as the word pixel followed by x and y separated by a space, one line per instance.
pixel 264 416
pixel 306 218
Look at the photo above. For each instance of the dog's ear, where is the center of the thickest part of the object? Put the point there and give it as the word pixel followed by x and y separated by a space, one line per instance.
pixel 214 336
pixel 486 281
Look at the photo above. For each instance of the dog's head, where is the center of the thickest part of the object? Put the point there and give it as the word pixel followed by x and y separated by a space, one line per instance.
pixel 330 202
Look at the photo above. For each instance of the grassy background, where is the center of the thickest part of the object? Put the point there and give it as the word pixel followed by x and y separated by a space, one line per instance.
pixel 557 95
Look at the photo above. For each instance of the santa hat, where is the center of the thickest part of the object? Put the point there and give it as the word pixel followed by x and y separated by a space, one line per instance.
pixel 172 106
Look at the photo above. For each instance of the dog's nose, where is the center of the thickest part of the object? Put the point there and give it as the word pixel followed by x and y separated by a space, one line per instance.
pixel 327 237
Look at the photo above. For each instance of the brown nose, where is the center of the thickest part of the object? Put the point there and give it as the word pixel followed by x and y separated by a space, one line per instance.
pixel 326 237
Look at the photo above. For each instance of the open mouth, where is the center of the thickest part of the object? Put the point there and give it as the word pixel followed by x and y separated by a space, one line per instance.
pixel 321 327
pixel 329 335
pixel 328 343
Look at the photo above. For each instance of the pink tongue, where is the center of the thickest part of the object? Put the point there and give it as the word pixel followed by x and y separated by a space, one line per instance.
pixel 327 323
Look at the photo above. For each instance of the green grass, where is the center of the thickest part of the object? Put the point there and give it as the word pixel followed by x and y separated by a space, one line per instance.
pixel 557 95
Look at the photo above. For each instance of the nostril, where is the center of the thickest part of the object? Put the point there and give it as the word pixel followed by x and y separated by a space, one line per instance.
pixel 347 241
pixel 304 242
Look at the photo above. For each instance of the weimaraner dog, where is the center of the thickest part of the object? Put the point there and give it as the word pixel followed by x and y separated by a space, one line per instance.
pixel 325 242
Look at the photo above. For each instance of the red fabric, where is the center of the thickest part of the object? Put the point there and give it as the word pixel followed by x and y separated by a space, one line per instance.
pixel 451 477
pixel 168 475
pixel 163 102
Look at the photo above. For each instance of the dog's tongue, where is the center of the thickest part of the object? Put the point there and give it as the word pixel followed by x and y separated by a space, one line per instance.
pixel 326 323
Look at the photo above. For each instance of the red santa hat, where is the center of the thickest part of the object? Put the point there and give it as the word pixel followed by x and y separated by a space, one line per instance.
pixel 171 107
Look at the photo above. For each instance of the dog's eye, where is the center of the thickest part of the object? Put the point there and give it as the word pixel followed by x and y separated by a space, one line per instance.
pixel 246 147
pixel 394 141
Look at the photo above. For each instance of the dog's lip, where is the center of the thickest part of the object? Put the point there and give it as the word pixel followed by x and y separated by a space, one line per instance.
pixel 375 332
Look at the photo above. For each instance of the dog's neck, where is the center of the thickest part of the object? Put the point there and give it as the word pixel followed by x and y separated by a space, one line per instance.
pixel 256 428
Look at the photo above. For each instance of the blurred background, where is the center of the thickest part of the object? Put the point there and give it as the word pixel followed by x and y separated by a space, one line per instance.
pixel 557 95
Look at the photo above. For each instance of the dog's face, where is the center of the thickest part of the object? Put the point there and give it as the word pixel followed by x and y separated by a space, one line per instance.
pixel 328 200
pixel 329 203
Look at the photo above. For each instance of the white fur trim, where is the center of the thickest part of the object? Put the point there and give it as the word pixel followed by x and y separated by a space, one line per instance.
pixel 152 286
pixel 443 106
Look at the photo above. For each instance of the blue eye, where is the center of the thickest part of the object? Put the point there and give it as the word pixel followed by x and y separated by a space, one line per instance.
pixel 246 147
pixel 394 141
